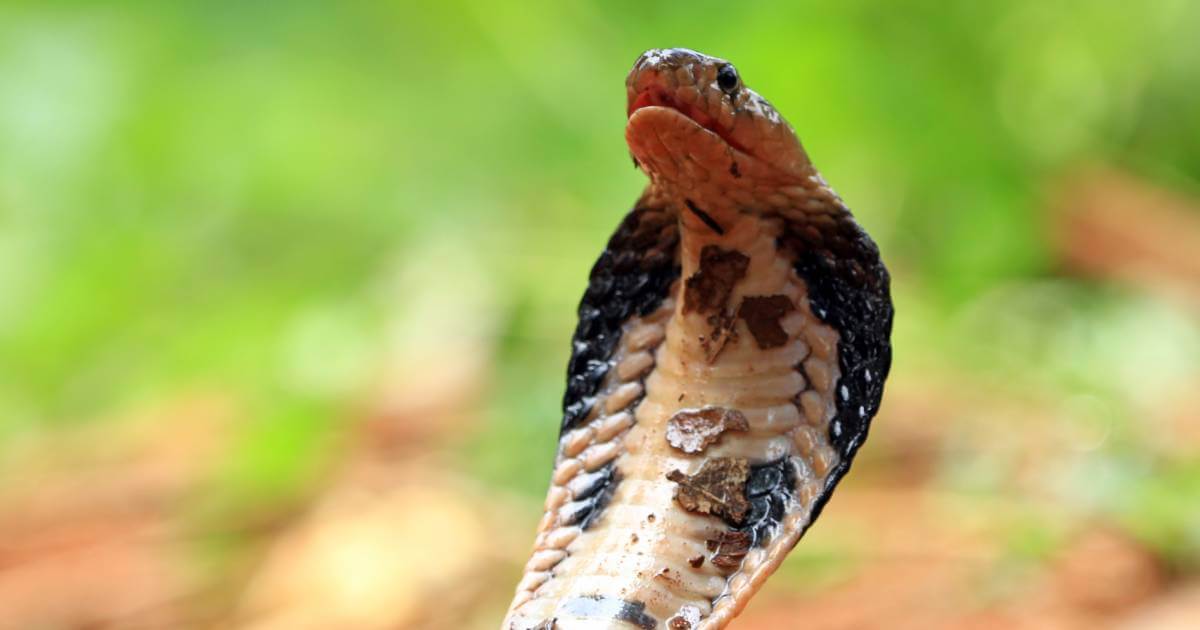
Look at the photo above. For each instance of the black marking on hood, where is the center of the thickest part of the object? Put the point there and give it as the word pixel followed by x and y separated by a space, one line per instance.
pixel 769 488
pixel 595 490
pixel 600 607
pixel 705 217
pixel 632 277
pixel 586 485
pixel 848 289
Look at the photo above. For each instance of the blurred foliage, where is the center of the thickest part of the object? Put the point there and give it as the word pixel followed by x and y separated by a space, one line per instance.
pixel 272 200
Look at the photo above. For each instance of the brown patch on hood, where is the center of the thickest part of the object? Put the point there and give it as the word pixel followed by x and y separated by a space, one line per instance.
pixel 693 430
pixel 718 489
pixel 762 314
pixel 708 290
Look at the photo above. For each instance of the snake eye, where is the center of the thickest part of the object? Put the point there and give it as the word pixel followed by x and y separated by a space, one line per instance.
pixel 727 79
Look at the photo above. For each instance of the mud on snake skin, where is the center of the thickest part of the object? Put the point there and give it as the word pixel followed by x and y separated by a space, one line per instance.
pixel 731 351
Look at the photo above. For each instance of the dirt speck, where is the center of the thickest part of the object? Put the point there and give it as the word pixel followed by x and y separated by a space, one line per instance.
pixel 666 576
pixel 679 623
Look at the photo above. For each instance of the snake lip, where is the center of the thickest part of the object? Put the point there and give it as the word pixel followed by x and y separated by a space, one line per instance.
pixel 655 96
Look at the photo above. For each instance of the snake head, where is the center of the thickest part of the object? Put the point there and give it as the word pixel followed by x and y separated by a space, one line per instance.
pixel 692 119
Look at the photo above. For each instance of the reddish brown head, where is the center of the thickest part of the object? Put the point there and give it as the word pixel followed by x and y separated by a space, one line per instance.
pixel 692 118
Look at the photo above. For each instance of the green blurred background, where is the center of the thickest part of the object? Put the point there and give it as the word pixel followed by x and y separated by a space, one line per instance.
pixel 286 292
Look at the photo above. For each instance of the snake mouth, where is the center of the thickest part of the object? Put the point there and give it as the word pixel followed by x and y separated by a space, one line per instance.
pixel 656 96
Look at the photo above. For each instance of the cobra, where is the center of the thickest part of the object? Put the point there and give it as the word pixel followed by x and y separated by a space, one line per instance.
pixel 730 354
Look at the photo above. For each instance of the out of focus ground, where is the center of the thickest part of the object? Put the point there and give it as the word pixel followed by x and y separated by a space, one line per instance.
pixel 285 296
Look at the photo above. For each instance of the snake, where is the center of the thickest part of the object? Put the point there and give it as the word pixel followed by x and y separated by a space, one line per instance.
pixel 730 353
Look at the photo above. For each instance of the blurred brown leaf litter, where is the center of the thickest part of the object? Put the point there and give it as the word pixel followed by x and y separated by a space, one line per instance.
pixel 1118 227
